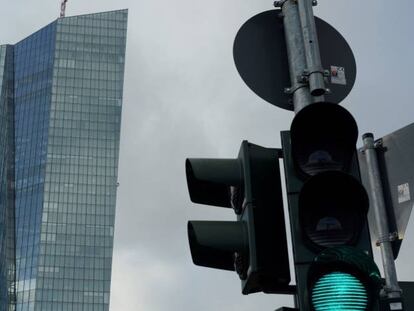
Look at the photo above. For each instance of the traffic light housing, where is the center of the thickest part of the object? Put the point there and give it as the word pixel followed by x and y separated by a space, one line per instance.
pixel 255 244
pixel 328 210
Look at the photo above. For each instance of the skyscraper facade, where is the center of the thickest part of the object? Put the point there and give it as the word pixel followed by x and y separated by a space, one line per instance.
pixel 60 101
pixel 7 207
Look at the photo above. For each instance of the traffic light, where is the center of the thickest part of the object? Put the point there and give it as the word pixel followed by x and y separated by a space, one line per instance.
pixel 255 245
pixel 328 212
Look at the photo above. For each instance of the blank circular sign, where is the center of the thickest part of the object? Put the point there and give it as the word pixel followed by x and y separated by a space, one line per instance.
pixel 260 56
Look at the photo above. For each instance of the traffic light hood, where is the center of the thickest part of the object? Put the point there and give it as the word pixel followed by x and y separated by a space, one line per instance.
pixel 323 137
pixel 214 243
pixel 209 180
pixel 332 208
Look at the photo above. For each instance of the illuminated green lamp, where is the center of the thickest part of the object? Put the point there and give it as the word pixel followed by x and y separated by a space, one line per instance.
pixel 339 291
pixel 343 279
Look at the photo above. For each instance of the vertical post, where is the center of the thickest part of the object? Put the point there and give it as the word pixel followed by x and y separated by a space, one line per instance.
pixel 306 72
pixel 392 288
pixel 303 87
pixel 297 64
pixel 310 40
pixel 296 55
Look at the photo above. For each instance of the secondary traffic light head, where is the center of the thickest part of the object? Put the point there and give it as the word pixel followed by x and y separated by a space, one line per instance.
pixel 255 245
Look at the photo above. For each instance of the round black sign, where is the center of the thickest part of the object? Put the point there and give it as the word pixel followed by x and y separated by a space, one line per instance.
pixel 260 56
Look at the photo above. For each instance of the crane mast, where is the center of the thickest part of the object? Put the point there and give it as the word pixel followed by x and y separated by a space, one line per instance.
pixel 63 8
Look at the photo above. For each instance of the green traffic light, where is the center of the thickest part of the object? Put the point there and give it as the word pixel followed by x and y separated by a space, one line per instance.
pixel 339 291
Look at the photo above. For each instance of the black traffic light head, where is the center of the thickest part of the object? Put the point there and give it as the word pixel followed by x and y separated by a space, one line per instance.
pixel 323 138
pixel 255 245
pixel 327 204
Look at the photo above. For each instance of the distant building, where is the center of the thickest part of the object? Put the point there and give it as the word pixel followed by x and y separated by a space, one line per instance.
pixel 60 114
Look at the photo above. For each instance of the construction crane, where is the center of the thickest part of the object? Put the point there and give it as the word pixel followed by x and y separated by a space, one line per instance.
pixel 63 8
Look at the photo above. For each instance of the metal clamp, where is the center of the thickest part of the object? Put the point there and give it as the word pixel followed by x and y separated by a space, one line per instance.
pixel 390 289
pixel 378 145
pixel 304 77
pixel 308 72
pixel 387 238
pixel 303 80
pixel 294 88
pixel 326 73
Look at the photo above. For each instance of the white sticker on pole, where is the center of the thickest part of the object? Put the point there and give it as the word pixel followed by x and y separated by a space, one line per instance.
pixel 403 193
pixel 338 75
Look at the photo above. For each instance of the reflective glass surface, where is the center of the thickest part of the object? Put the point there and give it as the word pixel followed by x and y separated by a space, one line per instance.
pixel 66 97
pixel 33 69
pixel 7 221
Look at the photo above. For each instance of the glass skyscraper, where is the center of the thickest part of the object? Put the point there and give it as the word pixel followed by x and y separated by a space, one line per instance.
pixel 60 113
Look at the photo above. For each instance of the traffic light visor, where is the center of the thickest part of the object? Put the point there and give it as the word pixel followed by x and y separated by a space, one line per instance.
pixel 214 243
pixel 323 137
pixel 332 209
pixel 209 180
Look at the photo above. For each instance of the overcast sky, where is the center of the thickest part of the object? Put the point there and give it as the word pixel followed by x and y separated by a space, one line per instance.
pixel 184 98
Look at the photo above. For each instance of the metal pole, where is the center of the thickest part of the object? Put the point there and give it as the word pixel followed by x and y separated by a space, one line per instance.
pixel 297 59
pixel 305 69
pixel 314 68
pixel 392 288
pixel 297 64
pixel 296 55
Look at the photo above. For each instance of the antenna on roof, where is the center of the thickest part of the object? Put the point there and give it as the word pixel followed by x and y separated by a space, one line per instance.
pixel 63 8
